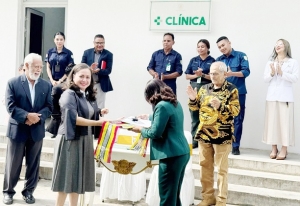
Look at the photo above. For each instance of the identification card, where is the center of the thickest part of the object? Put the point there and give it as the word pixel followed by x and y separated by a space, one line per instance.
pixel 168 68
pixel 199 80
pixel 57 68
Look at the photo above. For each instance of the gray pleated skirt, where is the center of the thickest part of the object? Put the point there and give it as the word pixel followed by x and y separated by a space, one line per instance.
pixel 74 167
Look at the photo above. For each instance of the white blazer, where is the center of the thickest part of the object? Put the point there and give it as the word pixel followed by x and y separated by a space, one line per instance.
pixel 281 87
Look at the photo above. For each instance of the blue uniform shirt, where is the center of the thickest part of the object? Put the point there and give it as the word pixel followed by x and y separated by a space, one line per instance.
pixel 159 62
pixel 196 63
pixel 238 62
pixel 62 59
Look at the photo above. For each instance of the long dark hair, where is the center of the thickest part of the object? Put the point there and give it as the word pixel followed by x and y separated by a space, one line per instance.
pixel 90 92
pixel 156 91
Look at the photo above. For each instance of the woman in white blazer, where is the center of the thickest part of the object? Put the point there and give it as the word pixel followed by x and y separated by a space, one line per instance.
pixel 281 72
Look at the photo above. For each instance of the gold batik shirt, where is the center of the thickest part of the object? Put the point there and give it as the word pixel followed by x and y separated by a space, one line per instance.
pixel 216 125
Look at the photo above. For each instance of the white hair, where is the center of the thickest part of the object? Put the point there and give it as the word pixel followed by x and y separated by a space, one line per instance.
pixel 223 67
pixel 30 57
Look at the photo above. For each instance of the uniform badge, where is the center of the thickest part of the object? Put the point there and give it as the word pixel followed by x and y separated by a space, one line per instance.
pixel 180 61
pixel 72 57
pixel 246 58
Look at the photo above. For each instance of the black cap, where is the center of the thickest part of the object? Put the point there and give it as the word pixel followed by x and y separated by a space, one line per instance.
pixel 221 38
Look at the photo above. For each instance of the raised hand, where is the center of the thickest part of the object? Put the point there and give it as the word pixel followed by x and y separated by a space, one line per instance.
pixel 192 93
pixel 272 69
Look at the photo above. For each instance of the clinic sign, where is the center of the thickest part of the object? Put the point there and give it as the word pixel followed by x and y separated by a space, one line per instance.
pixel 180 16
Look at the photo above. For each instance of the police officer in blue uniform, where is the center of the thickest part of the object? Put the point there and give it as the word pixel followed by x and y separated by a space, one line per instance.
pixel 198 74
pixel 58 58
pixel 165 63
pixel 238 69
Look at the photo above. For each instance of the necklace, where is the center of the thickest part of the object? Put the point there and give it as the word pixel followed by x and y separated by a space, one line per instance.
pixel 280 62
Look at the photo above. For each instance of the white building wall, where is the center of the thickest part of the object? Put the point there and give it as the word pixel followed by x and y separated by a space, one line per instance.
pixel 252 26
pixel 9 21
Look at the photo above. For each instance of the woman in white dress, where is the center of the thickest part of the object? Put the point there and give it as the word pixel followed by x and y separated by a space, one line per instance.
pixel 281 72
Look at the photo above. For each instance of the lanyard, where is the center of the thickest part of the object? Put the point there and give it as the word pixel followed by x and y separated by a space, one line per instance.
pixel 57 58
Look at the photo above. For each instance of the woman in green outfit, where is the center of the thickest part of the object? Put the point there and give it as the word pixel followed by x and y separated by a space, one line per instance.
pixel 167 141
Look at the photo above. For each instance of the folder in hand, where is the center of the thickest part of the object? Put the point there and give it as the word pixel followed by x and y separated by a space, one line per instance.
pixel 103 64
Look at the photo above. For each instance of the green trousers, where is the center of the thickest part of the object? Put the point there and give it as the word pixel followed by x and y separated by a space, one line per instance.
pixel 170 176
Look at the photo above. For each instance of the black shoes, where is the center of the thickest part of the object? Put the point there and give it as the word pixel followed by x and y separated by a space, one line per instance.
pixel 29 199
pixel 53 136
pixel 8 199
pixel 235 151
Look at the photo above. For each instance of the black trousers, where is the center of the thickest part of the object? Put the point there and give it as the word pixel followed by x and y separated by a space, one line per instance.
pixel 13 165
pixel 170 176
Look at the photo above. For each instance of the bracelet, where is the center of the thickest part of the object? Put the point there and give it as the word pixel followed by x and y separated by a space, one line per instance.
pixel 203 75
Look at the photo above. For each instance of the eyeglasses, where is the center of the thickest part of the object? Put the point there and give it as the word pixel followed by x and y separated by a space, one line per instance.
pixel 37 67
pixel 99 43
pixel 214 74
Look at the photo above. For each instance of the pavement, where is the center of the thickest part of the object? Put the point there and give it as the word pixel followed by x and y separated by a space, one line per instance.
pixel 44 196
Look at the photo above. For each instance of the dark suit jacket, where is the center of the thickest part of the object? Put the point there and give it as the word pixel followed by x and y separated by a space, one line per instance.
pixel 18 105
pixel 73 105
pixel 166 132
pixel 103 74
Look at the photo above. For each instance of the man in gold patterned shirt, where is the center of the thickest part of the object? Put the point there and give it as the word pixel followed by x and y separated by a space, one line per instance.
pixel 218 104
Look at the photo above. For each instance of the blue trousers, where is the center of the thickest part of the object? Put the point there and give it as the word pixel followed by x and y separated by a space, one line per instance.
pixel 238 121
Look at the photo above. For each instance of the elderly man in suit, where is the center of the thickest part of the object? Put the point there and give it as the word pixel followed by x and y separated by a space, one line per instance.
pixel 101 61
pixel 28 101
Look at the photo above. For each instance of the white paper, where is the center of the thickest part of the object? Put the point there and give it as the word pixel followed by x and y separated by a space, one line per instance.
pixel 139 122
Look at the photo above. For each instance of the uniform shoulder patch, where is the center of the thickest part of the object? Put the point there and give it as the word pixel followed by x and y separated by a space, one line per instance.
pixel 246 58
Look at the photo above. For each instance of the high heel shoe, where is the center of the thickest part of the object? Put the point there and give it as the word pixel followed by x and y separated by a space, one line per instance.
pixel 274 156
pixel 281 157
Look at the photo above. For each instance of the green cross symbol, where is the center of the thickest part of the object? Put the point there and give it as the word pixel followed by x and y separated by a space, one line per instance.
pixel 157 20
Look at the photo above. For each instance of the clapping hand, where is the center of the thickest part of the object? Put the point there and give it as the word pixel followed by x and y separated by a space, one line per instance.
pixel 198 72
pixel 192 93
pixel 215 103
pixel 272 69
pixel 94 67
pixel 279 71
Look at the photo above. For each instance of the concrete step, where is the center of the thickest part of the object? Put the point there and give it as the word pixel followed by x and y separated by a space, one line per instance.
pixel 257 179
pixel 258 160
pixel 255 196
pixel 47 141
pixel 45 169
pixel 46 155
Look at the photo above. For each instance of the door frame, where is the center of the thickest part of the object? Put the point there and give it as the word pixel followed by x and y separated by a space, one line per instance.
pixel 29 11
pixel 22 22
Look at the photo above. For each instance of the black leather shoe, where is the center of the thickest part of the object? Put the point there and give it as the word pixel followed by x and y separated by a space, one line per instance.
pixel 29 199
pixel 8 199
pixel 235 151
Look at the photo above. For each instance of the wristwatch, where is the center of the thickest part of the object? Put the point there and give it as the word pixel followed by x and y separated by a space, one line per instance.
pixel 203 75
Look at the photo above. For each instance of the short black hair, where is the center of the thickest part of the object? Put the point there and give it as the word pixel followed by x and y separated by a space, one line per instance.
pixel 98 36
pixel 170 34
pixel 60 33
pixel 222 38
